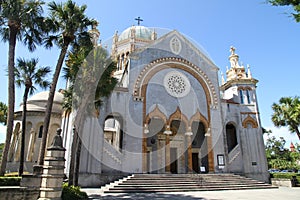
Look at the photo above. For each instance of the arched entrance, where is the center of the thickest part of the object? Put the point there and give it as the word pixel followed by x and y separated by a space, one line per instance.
pixel 113 131
pixel 155 145
pixel 151 88
pixel 199 148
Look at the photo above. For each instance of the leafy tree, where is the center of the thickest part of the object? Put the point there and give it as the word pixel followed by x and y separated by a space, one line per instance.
pixel 20 20
pixel 275 151
pixel 280 157
pixel 69 24
pixel 287 113
pixel 28 74
pixel 3 113
pixel 294 3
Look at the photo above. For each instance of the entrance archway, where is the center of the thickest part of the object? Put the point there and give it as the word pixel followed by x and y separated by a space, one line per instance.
pixel 113 131
pixel 178 129
pixel 199 148
pixel 156 127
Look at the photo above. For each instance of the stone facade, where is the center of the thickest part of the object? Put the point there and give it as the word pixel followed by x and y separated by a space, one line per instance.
pixel 169 113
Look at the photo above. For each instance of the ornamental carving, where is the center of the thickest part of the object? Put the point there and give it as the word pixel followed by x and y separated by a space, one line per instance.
pixel 177 63
pixel 249 121
pixel 175 45
pixel 177 84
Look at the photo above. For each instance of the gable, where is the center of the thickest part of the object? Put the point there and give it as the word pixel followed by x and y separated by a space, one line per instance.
pixel 178 45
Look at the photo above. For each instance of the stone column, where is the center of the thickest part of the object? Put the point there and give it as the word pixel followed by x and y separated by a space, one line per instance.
pixel 168 132
pixel 189 144
pixel 53 170
pixel 209 151
pixel 144 146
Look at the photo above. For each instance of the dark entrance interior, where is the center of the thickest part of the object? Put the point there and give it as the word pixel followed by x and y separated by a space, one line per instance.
pixel 173 165
pixel 195 159
pixel 200 142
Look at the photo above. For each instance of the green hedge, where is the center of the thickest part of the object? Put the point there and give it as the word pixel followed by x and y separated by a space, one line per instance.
pixel 286 175
pixel 72 192
pixel 10 181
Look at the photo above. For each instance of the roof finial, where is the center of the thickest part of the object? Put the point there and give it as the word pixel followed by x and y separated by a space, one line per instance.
pixel 233 58
pixel 139 19
pixel 232 50
pixel 249 72
pixel 223 80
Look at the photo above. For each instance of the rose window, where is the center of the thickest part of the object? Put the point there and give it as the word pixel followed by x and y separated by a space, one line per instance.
pixel 176 84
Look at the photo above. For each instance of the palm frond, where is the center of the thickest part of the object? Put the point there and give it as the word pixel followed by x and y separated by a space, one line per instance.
pixel 28 70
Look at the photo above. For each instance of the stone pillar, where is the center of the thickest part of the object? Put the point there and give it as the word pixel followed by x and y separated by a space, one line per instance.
pixel 53 170
pixel 209 151
pixel 144 146
pixel 168 132
pixel 189 144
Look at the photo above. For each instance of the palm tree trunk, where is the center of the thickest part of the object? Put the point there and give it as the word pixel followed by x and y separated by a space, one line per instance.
pixel 11 98
pixel 77 162
pixel 50 102
pixel 22 154
pixel 72 158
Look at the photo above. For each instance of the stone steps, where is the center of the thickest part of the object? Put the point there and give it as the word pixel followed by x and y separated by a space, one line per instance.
pixel 145 183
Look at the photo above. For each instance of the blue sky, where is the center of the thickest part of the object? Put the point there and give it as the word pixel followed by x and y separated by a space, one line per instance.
pixel 265 37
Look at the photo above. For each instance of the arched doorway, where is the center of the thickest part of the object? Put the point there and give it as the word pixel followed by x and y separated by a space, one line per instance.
pixel 177 159
pixel 155 145
pixel 113 131
pixel 231 137
pixel 199 148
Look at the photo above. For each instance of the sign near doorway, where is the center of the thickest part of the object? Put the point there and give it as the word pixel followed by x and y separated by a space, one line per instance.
pixel 220 159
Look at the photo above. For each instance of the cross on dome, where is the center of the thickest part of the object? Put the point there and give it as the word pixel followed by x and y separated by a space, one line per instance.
pixel 139 19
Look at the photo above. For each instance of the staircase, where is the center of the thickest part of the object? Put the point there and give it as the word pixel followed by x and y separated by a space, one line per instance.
pixel 145 183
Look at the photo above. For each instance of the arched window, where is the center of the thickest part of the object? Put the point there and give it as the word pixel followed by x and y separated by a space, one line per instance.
pixel 231 137
pixel 41 132
pixel 248 96
pixel 122 61
pixel 241 96
pixel 113 131
pixel 119 63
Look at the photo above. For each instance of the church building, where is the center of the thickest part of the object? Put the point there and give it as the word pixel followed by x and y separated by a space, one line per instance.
pixel 170 114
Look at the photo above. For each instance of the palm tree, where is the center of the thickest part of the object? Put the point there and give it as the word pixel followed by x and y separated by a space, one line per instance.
pixel 287 113
pixel 19 20
pixel 86 93
pixel 28 74
pixel 69 23
pixel 3 113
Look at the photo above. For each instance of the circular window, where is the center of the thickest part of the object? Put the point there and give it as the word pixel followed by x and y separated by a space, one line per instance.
pixel 177 84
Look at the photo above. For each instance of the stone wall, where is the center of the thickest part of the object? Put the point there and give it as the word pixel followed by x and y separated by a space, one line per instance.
pixel 285 182
pixel 18 193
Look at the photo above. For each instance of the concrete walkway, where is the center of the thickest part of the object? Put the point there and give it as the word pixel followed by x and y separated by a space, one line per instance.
pixel 283 193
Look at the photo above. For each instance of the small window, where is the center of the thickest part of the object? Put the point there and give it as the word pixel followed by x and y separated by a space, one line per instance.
pixel 122 62
pixel 41 132
pixel 241 96
pixel 248 97
pixel 119 63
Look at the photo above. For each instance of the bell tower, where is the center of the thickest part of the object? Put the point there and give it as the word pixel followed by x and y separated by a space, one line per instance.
pixel 239 86
pixel 241 109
